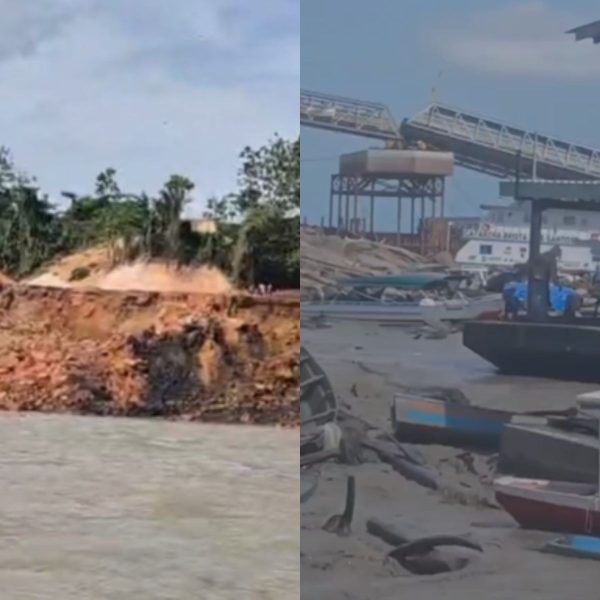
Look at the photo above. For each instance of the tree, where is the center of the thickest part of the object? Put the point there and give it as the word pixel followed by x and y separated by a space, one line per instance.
pixel 171 202
pixel 268 242
pixel 256 239
pixel 270 175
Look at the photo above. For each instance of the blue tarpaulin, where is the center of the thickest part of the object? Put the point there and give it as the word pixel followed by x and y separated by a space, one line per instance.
pixel 559 296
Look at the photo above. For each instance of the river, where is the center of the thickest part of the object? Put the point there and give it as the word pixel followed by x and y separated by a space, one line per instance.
pixel 103 508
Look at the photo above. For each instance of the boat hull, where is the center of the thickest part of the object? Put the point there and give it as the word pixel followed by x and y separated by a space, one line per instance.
pixel 318 405
pixel 542 452
pixel 534 505
pixel 565 351
pixel 575 546
pixel 400 313
pixel 427 421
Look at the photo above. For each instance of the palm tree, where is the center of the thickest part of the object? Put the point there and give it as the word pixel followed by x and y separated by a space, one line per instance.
pixel 172 200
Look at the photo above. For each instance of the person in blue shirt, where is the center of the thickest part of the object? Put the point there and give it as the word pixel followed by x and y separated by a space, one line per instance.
pixel 511 300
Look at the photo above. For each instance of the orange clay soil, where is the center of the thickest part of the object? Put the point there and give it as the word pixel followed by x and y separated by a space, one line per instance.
pixel 200 357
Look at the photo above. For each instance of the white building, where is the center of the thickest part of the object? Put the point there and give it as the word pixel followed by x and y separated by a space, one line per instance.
pixel 502 238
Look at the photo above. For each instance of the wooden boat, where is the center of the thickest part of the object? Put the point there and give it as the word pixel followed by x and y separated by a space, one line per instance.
pixel 363 300
pixel 553 505
pixel 318 405
pixel 544 505
pixel 575 546
pixel 425 420
pixel 308 485
pixel 540 451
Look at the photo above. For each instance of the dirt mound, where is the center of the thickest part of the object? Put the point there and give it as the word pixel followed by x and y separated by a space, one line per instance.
pixel 91 262
pixel 5 279
pixel 206 357
pixel 163 278
pixel 94 268
pixel 326 258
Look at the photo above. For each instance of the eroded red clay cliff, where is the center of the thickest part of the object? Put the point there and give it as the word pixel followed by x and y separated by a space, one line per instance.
pixel 214 358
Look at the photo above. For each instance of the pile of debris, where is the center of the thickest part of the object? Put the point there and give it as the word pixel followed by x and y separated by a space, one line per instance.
pixel 324 259
pixel 210 358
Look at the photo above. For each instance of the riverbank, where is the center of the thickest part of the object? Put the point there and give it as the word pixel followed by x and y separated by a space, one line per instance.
pixel 216 358
pixel 366 364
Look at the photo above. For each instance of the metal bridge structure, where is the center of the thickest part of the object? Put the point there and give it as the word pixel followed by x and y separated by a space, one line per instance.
pixel 478 143
pixel 346 115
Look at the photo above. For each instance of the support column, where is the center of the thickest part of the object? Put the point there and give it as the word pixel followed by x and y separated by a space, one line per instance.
pixel 347 212
pixel 443 199
pixel 422 240
pixel 372 214
pixel 339 211
pixel 399 221
pixel 331 188
pixel 538 284
pixel 412 215
pixel 355 223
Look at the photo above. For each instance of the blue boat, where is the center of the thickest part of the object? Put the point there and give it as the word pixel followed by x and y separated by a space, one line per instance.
pixel 425 420
pixel 576 546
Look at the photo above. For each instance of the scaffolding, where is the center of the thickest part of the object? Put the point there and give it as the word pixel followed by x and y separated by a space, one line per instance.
pixel 426 190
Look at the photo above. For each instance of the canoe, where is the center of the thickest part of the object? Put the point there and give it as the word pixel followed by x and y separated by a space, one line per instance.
pixel 543 452
pixel 428 421
pixel 575 546
pixel 544 505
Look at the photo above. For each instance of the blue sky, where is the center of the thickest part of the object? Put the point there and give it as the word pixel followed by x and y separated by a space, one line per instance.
pixel 148 87
pixel 506 60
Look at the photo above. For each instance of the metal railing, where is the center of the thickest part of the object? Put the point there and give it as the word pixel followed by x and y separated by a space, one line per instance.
pixel 497 143
pixel 357 117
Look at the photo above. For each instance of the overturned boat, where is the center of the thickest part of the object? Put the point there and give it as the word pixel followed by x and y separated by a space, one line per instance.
pixel 410 298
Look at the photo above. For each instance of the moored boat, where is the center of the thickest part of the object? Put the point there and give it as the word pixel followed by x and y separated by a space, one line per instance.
pixel 558 506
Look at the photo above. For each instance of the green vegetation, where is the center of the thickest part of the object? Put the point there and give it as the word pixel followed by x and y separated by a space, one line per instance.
pixel 255 238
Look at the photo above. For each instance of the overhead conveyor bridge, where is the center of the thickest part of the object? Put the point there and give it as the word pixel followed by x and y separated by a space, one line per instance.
pixel 478 143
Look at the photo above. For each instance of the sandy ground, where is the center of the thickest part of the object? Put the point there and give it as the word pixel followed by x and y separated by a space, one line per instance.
pixel 365 363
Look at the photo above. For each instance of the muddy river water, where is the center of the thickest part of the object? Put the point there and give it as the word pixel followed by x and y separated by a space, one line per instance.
pixel 96 508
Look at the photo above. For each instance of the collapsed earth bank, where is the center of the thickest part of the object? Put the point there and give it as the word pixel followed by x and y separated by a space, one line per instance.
pixel 195 356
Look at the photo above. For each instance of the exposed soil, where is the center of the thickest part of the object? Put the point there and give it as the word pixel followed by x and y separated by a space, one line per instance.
pixel 207 357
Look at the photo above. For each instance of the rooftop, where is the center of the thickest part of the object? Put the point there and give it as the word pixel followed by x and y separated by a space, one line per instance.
pixel 578 195
pixel 583 32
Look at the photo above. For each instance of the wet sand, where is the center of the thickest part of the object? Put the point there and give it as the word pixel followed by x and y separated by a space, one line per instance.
pixel 365 363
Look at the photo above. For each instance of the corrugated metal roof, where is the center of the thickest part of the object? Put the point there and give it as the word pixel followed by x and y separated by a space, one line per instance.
pixel 583 32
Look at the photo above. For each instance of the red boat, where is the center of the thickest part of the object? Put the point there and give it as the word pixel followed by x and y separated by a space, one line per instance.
pixel 545 505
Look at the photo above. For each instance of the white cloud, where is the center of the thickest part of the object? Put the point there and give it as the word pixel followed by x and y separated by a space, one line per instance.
pixel 526 39
pixel 149 91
